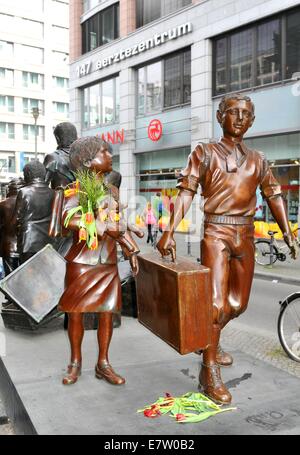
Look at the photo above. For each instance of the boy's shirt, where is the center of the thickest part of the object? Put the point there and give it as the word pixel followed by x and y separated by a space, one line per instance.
pixel 228 178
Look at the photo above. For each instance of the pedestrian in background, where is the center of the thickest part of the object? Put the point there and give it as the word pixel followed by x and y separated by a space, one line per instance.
pixel 150 221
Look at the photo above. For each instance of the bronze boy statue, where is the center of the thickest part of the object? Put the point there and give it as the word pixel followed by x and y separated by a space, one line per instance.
pixel 92 280
pixel 229 174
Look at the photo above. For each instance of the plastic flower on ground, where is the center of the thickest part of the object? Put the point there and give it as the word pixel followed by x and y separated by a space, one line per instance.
pixel 189 408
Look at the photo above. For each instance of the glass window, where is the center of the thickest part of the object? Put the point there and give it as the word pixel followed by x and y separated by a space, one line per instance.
pixel 61 108
pixel 108 101
pixel 187 77
pixel 176 69
pixel 60 82
pixel 86 107
pixel 268 52
pixel 255 56
pixel 293 44
pixel 6 103
pixel 141 90
pixel 30 103
pixel 29 132
pixel 12 164
pixel 154 89
pixel 33 80
pixel 108 25
pixel 220 59
pixel 93 31
pixel 101 28
pixel 172 80
pixel 7 130
pixel 101 103
pixel 10 104
pixel 6 77
pixel 241 51
pixel 11 130
pixel 94 105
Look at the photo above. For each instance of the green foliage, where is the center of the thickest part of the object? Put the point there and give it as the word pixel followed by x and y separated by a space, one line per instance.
pixel 92 189
pixel 179 408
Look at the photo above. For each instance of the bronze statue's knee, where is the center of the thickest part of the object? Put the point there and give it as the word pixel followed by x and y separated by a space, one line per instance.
pixel 218 314
pixel 236 311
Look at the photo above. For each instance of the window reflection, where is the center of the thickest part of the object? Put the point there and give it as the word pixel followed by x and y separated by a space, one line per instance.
pixel 107 101
pixel 154 87
pixel 268 53
pixel 293 44
pixel 255 56
pixel 101 103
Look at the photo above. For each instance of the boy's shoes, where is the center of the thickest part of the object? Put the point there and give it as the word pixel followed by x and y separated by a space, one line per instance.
pixel 106 372
pixel 211 384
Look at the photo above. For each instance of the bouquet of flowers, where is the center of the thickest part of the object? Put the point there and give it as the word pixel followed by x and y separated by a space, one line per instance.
pixel 94 198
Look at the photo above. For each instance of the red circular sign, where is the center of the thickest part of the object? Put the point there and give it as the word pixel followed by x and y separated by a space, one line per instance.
pixel 155 130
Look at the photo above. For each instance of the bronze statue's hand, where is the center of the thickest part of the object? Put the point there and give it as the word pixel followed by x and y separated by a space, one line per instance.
pixel 294 250
pixel 167 245
pixel 134 264
pixel 136 230
pixel 293 245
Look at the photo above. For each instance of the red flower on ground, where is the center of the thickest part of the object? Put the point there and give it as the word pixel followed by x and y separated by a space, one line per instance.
pixel 180 417
pixel 153 412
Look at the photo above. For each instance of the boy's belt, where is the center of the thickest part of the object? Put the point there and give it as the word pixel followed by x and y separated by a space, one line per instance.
pixel 227 219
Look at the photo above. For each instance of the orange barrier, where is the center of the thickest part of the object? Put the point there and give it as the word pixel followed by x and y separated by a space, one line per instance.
pixel 262 228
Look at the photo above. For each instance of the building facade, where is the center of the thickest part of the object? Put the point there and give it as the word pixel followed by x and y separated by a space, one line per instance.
pixel 34 73
pixel 148 75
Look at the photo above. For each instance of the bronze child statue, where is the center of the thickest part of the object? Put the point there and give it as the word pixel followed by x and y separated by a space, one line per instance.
pixel 92 280
pixel 229 174
pixel 57 164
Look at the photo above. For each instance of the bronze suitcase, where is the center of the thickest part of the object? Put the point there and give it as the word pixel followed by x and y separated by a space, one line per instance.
pixel 175 302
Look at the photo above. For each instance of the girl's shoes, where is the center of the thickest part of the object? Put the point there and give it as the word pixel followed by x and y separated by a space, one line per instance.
pixel 73 373
pixel 106 372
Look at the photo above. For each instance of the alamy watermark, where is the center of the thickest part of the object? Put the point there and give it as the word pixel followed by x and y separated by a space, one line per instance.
pixel 296 85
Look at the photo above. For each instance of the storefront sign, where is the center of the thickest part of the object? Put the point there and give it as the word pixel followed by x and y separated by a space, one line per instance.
pixel 155 130
pixel 122 54
pixel 113 137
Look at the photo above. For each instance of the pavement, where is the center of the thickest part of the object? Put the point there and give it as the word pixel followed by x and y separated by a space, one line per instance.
pixel 266 398
pixel 263 381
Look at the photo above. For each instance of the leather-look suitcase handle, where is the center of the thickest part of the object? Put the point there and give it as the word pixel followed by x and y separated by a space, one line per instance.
pixel 173 254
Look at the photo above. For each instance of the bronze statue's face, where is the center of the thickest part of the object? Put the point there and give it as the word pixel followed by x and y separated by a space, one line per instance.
pixel 102 161
pixel 237 118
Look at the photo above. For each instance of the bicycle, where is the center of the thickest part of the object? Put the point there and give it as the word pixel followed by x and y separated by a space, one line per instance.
pixel 267 252
pixel 288 325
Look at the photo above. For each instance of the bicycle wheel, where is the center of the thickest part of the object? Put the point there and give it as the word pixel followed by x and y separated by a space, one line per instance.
pixel 262 252
pixel 288 326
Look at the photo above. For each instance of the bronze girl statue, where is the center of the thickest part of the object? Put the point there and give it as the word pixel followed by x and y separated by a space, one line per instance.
pixel 92 280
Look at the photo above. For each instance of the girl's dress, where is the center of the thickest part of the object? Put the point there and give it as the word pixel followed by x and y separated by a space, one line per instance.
pixel 92 282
